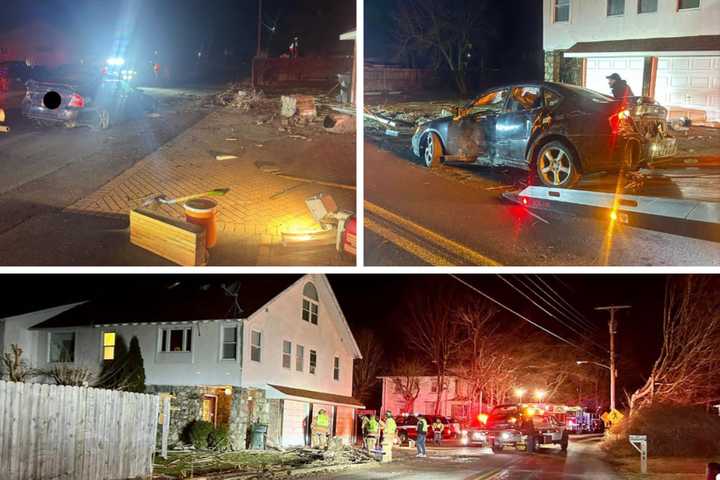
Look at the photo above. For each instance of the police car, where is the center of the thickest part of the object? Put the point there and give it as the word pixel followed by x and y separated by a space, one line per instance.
pixel 523 426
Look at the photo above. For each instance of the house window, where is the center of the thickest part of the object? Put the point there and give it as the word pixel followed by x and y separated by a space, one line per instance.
pixel 687 4
pixel 287 354
pixel 562 11
pixel 255 346
pixel 62 347
pixel 176 340
pixel 299 357
pixel 109 346
pixel 615 7
pixel 310 304
pixel 647 6
pixel 434 386
pixel 336 369
pixel 229 343
pixel 397 387
pixel 313 361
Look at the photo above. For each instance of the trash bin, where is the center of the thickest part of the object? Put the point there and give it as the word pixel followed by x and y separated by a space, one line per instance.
pixel 202 211
pixel 258 436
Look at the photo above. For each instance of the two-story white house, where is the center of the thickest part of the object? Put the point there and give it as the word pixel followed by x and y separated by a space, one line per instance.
pixel 666 49
pixel 275 350
pixel 455 400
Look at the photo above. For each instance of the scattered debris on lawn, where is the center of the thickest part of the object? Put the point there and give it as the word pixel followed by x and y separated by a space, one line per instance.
pixel 237 97
pixel 225 157
pixel 339 123
pixel 266 464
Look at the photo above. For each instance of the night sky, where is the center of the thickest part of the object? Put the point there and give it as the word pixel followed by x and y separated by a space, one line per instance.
pixel 379 302
pixel 179 27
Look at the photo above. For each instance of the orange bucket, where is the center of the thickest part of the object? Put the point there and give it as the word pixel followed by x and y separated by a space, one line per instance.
pixel 202 211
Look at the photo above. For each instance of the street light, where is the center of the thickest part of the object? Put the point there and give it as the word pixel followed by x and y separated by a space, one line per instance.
pixel 520 393
pixel 581 362
pixel 540 394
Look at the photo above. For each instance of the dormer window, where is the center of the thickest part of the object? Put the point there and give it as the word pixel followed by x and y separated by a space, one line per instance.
pixel 310 304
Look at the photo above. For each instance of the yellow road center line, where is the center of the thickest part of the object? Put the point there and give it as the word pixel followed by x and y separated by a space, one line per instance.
pixel 488 475
pixel 422 253
pixel 452 246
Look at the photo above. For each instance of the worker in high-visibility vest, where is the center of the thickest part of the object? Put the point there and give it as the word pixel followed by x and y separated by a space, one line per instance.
pixel 320 428
pixel 373 430
pixel 389 431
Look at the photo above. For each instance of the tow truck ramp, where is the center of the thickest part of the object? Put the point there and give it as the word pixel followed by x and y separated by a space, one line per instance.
pixel 690 218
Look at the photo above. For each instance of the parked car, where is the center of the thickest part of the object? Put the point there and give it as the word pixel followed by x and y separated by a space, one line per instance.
pixel 476 431
pixel 524 427
pixel 407 427
pixel 86 98
pixel 557 131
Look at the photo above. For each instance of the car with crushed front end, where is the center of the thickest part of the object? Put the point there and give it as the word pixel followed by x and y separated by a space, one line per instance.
pixel 558 132
pixel 523 427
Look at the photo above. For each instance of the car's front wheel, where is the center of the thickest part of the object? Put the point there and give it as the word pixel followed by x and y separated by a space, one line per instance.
pixel 432 150
pixel 557 166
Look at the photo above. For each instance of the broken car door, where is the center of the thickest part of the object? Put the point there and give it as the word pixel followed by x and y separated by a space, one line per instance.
pixel 514 125
pixel 471 134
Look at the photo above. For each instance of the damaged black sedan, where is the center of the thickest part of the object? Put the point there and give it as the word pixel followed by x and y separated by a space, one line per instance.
pixel 558 132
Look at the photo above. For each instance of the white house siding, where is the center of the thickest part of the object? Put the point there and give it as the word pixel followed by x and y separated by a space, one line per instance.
pixel 201 366
pixel 281 320
pixel 589 22
pixel 295 415
pixel 426 399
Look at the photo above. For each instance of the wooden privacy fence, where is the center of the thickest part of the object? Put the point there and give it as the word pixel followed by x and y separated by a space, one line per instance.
pixel 75 433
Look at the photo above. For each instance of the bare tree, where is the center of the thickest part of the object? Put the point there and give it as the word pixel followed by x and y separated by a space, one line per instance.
pixel 15 367
pixel 69 375
pixel 407 382
pixel 367 368
pixel 686 371
pixel 451 32
pixel 434 334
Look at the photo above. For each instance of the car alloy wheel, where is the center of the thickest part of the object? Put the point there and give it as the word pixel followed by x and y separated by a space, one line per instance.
pixel 556 166
pixel 433 150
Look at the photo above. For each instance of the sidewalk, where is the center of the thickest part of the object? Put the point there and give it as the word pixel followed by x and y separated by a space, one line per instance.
pixel 259 207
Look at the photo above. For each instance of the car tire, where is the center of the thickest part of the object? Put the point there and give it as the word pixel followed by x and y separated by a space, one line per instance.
pixel 103 120
pixel 564 442
pixel 432 150
pixel 556 165
pixel 531 444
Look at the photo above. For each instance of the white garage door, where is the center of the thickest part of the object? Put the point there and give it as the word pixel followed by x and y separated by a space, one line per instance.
pixel 690 82
pixel 629 68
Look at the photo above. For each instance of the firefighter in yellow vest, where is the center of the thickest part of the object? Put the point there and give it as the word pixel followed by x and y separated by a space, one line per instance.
pixel 320 430
pixel 389 430
pixel 373 430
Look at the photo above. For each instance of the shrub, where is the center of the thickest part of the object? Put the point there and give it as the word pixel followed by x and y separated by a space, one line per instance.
pixel 219 439
pixel 671 431
pixel 198 432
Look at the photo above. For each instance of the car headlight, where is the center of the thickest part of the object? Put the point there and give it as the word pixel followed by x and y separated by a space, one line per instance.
pixel 477 436
pixel 505 436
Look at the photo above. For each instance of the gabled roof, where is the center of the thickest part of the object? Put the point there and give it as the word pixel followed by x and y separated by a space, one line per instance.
pixel 189 299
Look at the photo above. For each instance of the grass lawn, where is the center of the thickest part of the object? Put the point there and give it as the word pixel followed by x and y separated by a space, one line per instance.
pixel 665 468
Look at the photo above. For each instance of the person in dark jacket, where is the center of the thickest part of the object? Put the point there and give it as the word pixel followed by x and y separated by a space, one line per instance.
pixel 620 88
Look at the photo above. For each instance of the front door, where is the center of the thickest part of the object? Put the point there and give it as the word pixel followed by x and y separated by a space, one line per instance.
pixel 514 125
pixel 209 409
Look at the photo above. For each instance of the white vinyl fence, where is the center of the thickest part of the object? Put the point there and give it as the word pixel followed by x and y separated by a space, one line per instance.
pixel 75 433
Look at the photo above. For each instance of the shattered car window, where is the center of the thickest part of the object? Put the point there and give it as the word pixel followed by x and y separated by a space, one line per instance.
pixel 493 100
pixel 552 99
pixel 524 98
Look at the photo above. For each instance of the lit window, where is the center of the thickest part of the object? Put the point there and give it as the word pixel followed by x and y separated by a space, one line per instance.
pixel 687 4
pixel 615 7
pixel 562 11
pixel 229 345
pixel 287 354
pixel 313 361
pixel 62 347
pixel 109 346
pixel 647 6
pixel 255 346
pixel 299 357
pixel 176 340
pixel 310 304
pixel 336 369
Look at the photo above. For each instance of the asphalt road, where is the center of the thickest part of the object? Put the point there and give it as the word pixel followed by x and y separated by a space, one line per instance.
pixel 43 170
pixel 582 461
pixel 454 215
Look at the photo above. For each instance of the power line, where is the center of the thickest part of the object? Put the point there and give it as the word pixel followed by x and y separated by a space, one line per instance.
pixel 581 334
pixel 570 307
pixel 523 317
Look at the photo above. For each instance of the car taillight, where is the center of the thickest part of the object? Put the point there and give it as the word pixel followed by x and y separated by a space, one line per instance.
pixel 616 120
pixel 76 101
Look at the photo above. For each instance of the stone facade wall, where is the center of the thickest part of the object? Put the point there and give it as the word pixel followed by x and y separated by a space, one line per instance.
pixel 185 406
pixel 561 69
pixel 275 422
pixel 249 405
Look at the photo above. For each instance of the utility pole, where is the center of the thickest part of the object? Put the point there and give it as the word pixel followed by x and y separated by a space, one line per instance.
pixel 612 327
pixel 259 28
